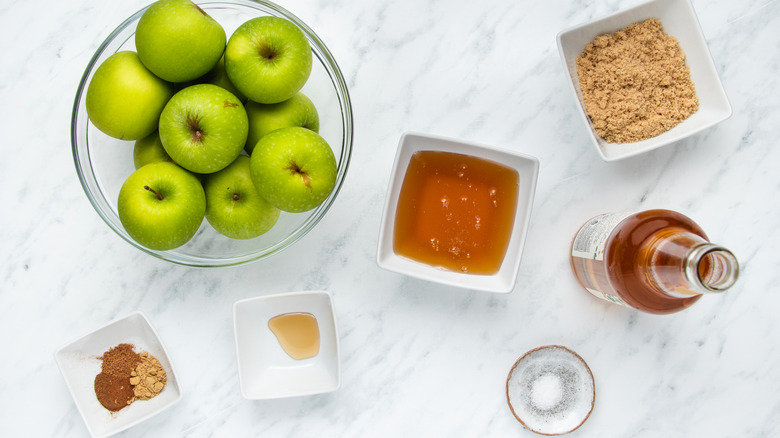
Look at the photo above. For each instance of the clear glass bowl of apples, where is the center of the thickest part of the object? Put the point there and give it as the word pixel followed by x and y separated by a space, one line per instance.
pixel 212 133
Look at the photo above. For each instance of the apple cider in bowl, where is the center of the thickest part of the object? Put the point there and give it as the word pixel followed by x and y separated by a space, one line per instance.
pixel 456 212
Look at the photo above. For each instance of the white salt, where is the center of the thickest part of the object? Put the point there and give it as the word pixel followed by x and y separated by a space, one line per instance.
pixel 546 391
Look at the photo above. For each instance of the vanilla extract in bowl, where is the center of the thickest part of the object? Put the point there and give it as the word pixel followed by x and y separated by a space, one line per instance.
pixel 298 334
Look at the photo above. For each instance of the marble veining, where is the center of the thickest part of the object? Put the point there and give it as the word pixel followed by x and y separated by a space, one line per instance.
pixel 417 359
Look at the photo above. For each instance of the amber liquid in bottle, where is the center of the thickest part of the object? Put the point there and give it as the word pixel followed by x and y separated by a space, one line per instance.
pixel 656 261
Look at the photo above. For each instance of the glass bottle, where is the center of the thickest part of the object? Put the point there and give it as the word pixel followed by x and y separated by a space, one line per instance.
pixel 656 261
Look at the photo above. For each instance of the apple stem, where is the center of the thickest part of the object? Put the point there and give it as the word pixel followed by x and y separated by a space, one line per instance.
pixel 296 170
pixel 193 123
pixel 156 193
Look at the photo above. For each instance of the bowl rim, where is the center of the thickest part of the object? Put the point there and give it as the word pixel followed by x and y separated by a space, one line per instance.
pixel 99 201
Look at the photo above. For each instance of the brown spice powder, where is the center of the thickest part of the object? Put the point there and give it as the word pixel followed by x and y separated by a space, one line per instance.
pixel 126 376
pixel 112 385
pixel 148 378
pixel 635 83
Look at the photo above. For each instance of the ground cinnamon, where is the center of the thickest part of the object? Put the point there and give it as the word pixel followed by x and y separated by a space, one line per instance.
pixel 113 392
pixel 112 385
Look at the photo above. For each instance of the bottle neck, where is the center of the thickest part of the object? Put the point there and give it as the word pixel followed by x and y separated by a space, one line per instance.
pixel 711 268
pixel 682 265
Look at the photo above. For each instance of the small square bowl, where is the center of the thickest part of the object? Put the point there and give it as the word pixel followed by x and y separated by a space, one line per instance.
pixel 79 363
pixel 679 20
pixel 502 281
pixel 265 371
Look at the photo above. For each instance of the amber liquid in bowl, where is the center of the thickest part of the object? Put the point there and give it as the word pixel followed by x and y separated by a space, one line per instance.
pixel 456 212
pixel 297 333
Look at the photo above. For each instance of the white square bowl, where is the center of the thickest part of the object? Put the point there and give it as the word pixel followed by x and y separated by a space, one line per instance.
pixel 265 371
pixel 679 20
pixel 79 363
pixel 503 281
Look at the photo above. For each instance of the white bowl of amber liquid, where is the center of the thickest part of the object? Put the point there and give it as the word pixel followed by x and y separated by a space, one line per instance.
pixel 457 213
pixel 286 345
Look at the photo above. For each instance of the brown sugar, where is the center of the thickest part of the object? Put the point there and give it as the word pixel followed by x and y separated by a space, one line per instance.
pixel 635 83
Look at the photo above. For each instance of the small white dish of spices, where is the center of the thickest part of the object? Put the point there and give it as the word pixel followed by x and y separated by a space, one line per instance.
pixel 643 77
pixel 119 375
pixel 286 345
pixel 550 390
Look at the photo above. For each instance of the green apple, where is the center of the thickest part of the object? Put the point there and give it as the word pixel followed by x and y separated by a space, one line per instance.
pixel 217 76
pixel 203 128
pixel 268 58
pixel 178 41
pixel 149 150
pixel 233 205
pixel 161 206
pixel 124 99
pixel 298 110
pixel 294 169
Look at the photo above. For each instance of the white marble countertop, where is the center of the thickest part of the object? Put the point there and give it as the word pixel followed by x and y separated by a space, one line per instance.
pixel 417 359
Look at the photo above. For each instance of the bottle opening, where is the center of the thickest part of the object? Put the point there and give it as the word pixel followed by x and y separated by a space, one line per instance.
pixel 717 269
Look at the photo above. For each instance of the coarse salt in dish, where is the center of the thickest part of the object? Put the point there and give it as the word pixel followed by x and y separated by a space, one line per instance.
pixel 550 390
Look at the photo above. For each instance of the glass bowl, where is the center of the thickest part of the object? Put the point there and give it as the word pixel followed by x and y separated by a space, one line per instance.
pixel 103 163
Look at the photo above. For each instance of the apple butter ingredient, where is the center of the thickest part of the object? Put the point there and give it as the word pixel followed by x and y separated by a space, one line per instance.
pixel 112 386
pixel 126 376
pixel 635 83
pixel 148 378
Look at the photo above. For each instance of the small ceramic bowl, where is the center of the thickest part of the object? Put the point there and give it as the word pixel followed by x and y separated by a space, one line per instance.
pixel 551 390
pixel 502 281
pixel 679 20
pixel 265 370
pixel 79 363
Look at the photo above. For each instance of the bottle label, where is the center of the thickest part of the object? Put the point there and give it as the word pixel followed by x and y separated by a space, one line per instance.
pixel 590 241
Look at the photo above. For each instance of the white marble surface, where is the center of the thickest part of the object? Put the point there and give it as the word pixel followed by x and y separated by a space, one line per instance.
pixel 418 359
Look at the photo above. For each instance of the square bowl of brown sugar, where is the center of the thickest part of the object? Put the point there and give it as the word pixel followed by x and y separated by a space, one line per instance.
pixel 643 78
pixel 119 375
